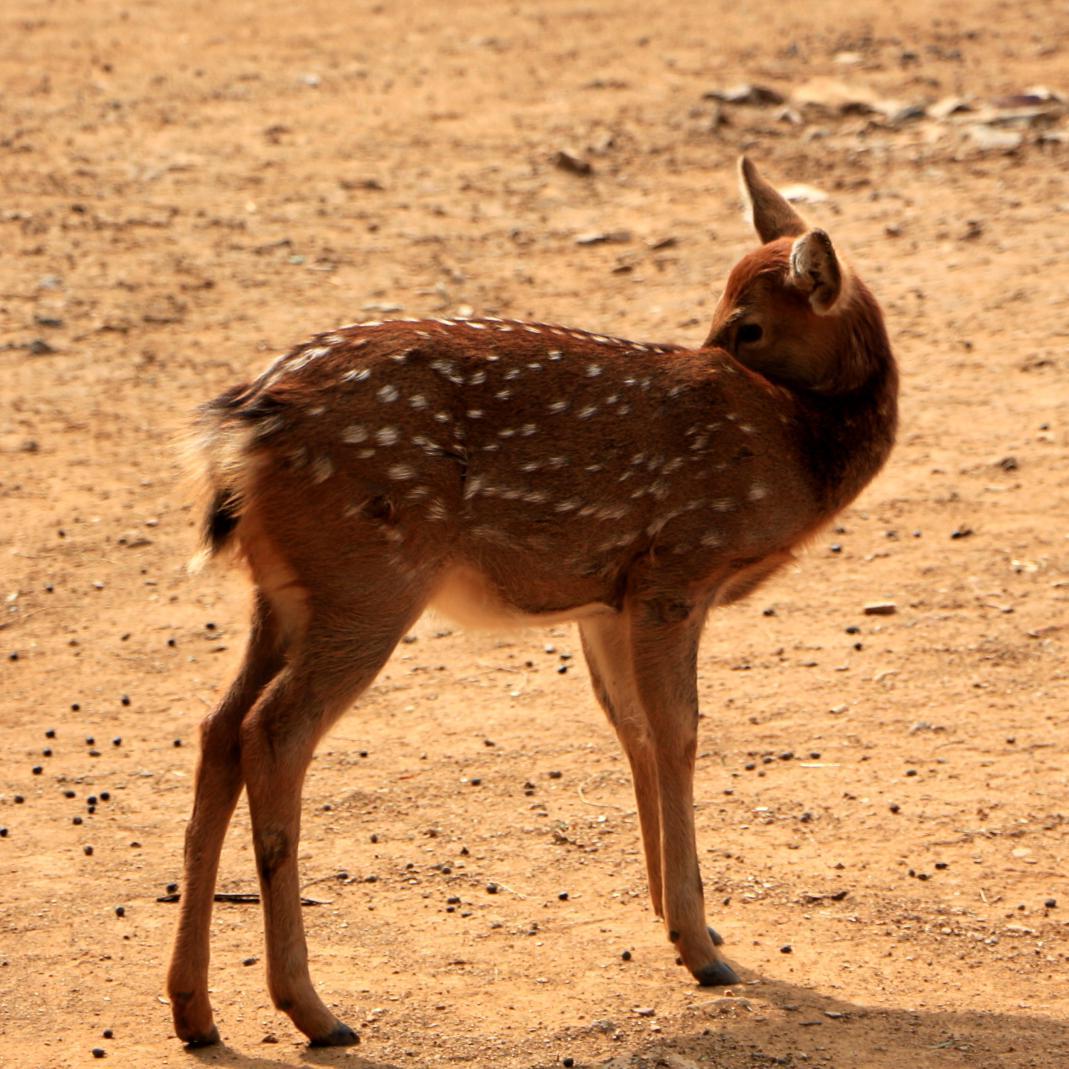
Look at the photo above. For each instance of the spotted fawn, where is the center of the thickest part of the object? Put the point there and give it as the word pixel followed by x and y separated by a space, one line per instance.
pixel 513 473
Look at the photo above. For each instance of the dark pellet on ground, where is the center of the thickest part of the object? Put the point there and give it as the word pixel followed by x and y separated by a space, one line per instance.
pixel 562 669
pixel 120 911
pixel 453 900
pixel 567 1062
pixel 177 742
pixel 563 896
pixel 76 820
pixel 125 699
pixel 50 733
pixel 491 888
pixel 19 799
pixel 249 961
pixel 87 850
pixel 90 809
pixel 786 949
pixel 90 741
pixel 13 655
pixel 47 751
pixel 94 753
pixel 373 837
pixel 99 1052
pixel 171 642
pixel 895 807
pixel 37 770
pixel 941 865
pixel 117 741
pixel 69 794
pixel 1051 903
pixel 911 771
pixel 626 955
pixel 172 888
pixel 555 774
pixel 107 1034
pixel 91 800
pixel 105 796
pixel 853 629
pixel 474 781
pixel 3 833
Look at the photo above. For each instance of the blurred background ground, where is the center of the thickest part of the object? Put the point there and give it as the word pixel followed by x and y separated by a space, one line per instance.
pixel 188 188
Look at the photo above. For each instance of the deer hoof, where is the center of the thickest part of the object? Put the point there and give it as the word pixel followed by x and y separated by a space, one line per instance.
pixel 716 937
pixel 717 974
pixel 208 1039
pixel 341 1035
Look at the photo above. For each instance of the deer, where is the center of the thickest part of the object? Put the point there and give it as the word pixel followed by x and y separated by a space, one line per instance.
pixel 514 473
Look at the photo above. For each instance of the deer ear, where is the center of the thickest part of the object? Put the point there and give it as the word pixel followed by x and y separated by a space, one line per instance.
pixel 815 270
pixel 772 216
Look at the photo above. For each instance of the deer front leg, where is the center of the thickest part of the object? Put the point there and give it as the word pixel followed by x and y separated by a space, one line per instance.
pixel 664 636
pixel 605 644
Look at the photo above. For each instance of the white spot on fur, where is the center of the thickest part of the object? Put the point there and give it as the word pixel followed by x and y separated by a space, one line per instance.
pixel 354 433
pixel 322 469
pixel 400 472
pixel 757 492
pixel 386 435
pixel 357 375
pixel 557 407
pixel 387 393
pixel 593 371
pixel 417 400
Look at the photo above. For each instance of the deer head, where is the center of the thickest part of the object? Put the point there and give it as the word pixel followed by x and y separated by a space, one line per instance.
pixel 791 308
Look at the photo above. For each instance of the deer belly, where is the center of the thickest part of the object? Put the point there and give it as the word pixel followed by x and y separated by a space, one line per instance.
pixel 467 596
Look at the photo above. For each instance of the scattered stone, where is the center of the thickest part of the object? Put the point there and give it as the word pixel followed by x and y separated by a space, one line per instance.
pixel 612 237
pixel 570 162
pixel 880 608
pixel 760 96
pixel 39 347
pixel 987 139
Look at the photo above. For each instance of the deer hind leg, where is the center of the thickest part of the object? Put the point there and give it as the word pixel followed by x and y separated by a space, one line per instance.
pixel 218 785
pixel 664 650
pixel 343 649
pixel 605 644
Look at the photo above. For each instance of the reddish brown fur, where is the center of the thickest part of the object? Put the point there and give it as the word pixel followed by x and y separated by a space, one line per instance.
pixel 521 473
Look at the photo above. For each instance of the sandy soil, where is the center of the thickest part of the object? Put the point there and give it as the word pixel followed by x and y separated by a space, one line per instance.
pixel 188 188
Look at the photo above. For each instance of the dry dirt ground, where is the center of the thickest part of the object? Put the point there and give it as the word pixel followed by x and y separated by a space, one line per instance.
pixel 188 188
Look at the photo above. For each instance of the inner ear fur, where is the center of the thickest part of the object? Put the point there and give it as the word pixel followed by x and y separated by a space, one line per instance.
pixel 772 216
pixel 815 270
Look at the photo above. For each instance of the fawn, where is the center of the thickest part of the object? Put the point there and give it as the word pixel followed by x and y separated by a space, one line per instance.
pixel 521 473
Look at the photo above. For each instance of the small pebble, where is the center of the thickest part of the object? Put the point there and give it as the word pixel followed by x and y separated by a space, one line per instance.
pixel 249 961
pixel 87 850
pixel 50 733
pixel 98 1052
pixel 177 742
pixel 172 888
pixel 69 794
pixel 786 949
pixel 626 955
pixel 108 1034
pixel 491 888
pixel 117 741
pixel 3 833
pixel 125 699
pixel 567 1062
pixel 47 751
pixel 105 796
pixel 37 770
pixel 76 820
pixel 563 896
pixel 90 741
pixel 19 799
pixel 120 911
pixel 1051 903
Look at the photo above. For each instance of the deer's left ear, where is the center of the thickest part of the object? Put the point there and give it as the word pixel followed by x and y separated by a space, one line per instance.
pixel 815 270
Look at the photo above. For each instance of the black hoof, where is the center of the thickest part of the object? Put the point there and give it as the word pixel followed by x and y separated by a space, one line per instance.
pixel 341 1036
pixel 716 937
pixel 209 1039
pixel 718 974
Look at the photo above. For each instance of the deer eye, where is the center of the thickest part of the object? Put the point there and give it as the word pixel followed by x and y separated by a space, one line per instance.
pixel 749 333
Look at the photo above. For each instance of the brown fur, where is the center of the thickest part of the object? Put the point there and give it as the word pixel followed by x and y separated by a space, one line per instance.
pixel 521 473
